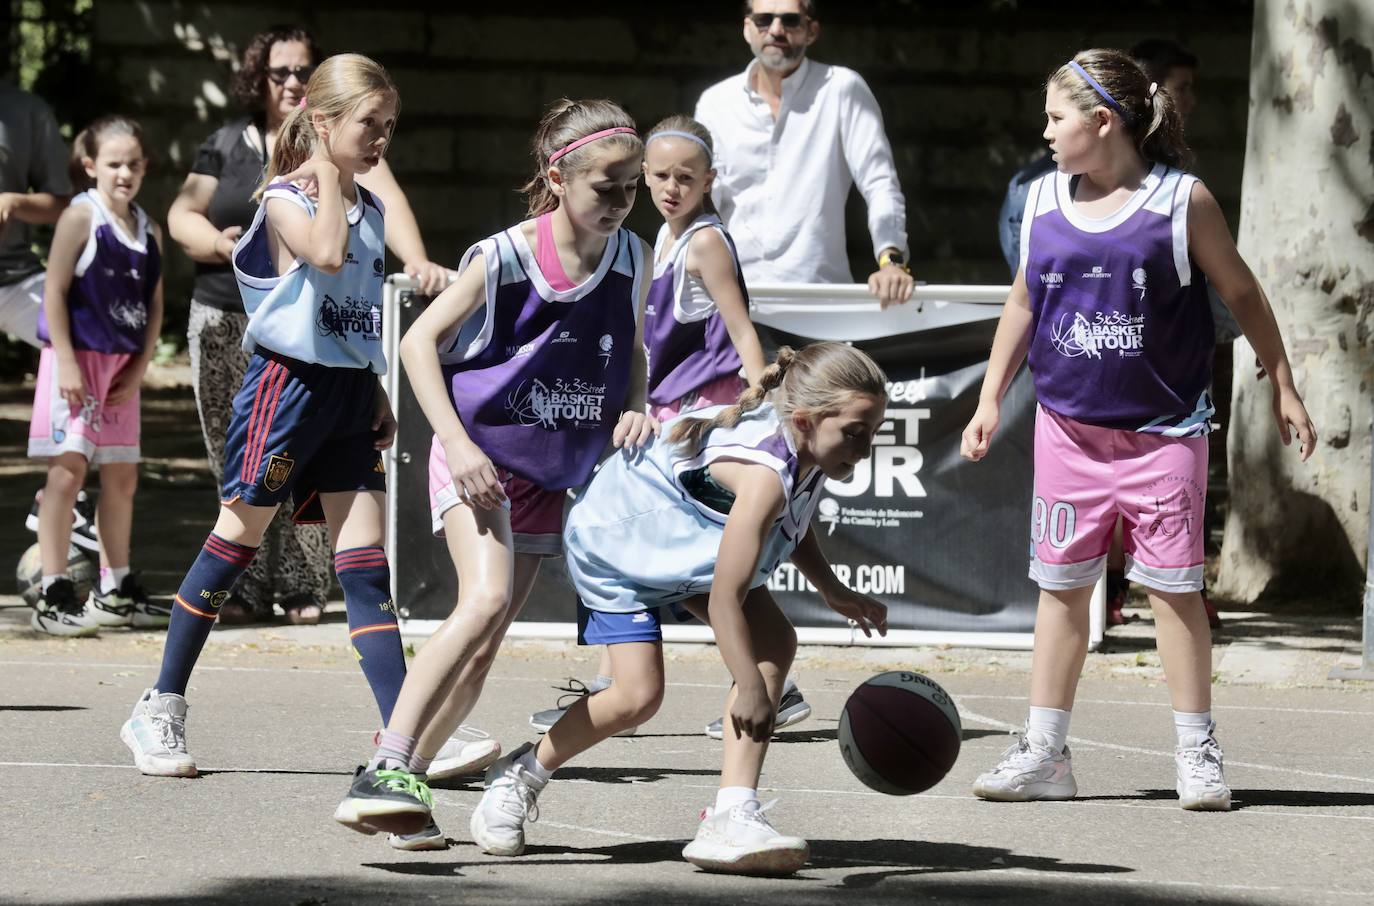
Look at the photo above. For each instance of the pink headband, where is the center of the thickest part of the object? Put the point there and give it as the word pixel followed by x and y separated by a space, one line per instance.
pixel 618 130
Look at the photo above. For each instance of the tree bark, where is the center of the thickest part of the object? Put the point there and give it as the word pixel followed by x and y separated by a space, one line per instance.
pixel 1307 230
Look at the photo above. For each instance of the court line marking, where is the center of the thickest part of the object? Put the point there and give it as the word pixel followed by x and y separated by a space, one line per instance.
pixel 1092 743
pixel 815 690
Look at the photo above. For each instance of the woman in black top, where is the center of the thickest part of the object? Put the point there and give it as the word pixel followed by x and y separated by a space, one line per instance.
pixel 213 208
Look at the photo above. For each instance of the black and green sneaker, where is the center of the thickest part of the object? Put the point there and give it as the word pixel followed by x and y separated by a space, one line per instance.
pixel 385 800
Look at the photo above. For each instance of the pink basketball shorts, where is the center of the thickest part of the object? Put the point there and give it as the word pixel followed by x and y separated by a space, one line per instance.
pixel 1086 476
pixel 98 432
pixel 721 391
pixel 536 514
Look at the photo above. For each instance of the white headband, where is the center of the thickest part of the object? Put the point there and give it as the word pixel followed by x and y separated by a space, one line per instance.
pixel 676 133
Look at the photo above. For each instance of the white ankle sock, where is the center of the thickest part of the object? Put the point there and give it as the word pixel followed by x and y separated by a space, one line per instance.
pixel 1193 729
pixel 49 580
pixel 1048 727
pixel 530 762
pixel 730 796
pixel 111 577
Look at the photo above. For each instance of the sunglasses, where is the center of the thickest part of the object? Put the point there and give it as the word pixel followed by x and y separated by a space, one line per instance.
pixel 279 74
pixel 764 21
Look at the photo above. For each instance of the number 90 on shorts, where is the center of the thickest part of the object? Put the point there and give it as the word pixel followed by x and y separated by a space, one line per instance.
pixel 1052 524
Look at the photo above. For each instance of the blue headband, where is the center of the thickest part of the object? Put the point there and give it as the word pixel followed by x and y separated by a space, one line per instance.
pixel 1111 101
pixel 676 133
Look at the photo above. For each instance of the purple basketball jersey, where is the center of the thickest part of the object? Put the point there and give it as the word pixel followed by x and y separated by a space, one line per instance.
pixel 539 377
pixel 112 285
pixel 1122 333
pixel 684 335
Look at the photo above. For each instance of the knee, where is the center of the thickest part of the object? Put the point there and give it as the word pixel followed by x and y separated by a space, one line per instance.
pixel 65 480
pixel 486 604
pixel 637 702
pixel 118 482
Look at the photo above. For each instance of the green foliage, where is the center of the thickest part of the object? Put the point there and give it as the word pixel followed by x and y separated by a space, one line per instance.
pixel 51 55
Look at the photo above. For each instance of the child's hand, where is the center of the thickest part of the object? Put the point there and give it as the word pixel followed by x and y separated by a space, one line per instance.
pixel 634 430
pixel 867 613
pixel 126 382
pixel 1289 410
pixel 753 713
pixel 70 385
pixel 978 434
pixel 474 476
pixel 383 422
pixel 308 176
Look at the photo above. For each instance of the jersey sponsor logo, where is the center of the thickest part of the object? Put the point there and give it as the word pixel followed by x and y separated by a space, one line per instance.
pixel 564 402
pixel 130 314
pixel 377 266
pixel 607 342
pixel 565 337
pixel 279 468
pixel 1097 273
pixel 522 350
pixel 349 259
pixel 352 317
pixel 1074 335
pixel 1052 279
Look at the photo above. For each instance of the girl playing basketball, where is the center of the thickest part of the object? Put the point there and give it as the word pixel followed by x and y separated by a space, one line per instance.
pixel 102 311
pixel 697 330
pixel 523 400
pixel 701 519
pixel 311 419
pixel 1110 303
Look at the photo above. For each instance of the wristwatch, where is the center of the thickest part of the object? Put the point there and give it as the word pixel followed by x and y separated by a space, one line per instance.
pixel 889 256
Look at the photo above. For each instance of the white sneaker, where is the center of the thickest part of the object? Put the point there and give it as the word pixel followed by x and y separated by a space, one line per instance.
pixel 1028 772
pixel 156 734
pixel 741 841
pixel 511 799
pixel 574 690
pixel 458 757
pixel 58 612
pixel 429 839
pixel 108 608
pixel 1201 781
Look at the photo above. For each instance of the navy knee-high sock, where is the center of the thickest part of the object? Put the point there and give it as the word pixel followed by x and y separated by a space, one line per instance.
pixel 198 600
pixel 366 582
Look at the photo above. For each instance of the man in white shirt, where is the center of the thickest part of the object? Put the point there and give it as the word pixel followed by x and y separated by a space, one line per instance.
pixel 791 136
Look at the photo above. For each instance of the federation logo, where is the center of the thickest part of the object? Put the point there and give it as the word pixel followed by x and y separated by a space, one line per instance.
pixel 279 467
pixel 377 267
pixel 1138 281
pixel 828 512
pixel 607 341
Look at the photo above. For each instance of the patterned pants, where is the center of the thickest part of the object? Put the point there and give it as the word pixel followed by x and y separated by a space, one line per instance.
pixel 294 562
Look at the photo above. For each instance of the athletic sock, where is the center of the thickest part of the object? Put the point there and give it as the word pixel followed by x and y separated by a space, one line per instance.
pixel 393 752
pixel 530 762
pixel 1193 729
pixel 727 797
pixel 372 630
pixel 49 580
pixel 419 764
pixel 1048 727
pixel 204 589
pixel 111 577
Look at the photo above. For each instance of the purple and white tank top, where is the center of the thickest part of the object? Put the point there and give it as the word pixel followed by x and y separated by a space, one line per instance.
pixel 540 376
pixel 112 284
pixel 1122 332
pixel 684 335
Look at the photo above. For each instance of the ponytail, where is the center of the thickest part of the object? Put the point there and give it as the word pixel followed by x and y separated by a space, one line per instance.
pixel 690 433
pixel 819 380
pixel 563 124
pixel 337 86
pixel 1148 112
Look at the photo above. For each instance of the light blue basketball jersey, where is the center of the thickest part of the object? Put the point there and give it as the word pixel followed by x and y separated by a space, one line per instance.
pixel 635 538
pixel 325 319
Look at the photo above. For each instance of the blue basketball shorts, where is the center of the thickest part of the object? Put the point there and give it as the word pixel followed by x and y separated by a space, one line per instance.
pixel 299 430
pixel 595 627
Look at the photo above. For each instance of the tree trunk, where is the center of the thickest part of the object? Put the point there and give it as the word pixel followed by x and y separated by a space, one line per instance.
pixel 1307 230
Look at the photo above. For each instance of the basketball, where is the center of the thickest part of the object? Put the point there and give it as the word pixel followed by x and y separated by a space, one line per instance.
pixel 900 733
pixel 29 574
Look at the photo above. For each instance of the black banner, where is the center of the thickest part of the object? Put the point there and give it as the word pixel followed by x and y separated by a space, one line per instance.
pixel 941 541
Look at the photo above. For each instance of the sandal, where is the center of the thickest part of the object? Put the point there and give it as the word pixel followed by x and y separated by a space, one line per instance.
pixel 236 612
pixel 302 611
